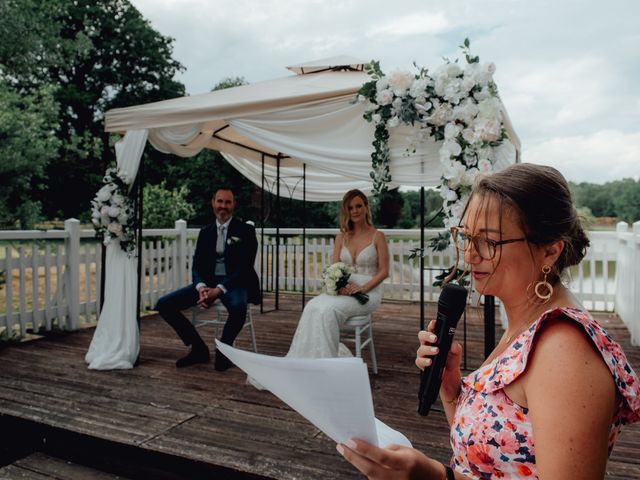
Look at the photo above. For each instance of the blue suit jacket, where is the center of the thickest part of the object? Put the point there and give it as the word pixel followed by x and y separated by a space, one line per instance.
pixel 239 255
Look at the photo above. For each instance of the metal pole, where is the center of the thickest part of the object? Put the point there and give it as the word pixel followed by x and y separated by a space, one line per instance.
pixel 304 233
pixel 278 232
pixel 262 249
pixel 140 191
pixel 422 258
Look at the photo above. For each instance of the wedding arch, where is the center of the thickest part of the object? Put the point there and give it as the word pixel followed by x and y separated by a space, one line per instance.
pixel 310 120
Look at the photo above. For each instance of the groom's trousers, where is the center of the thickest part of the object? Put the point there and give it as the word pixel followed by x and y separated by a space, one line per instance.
pixel 171 305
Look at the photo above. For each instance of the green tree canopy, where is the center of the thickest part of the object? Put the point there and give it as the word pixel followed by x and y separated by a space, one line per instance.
pixel 27 144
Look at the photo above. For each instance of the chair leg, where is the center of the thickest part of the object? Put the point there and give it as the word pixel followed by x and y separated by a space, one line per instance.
pixel 358 343
pixel 253 333
pixel 374 364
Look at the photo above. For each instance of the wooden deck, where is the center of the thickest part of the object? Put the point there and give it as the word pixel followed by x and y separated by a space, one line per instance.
pixel 158 422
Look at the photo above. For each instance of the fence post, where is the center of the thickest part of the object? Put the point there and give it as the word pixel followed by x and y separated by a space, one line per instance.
pixel 181 239
pixel 72 272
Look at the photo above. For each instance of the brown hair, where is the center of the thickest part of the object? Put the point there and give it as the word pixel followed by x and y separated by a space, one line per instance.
pixel 541 200
pixel 346 225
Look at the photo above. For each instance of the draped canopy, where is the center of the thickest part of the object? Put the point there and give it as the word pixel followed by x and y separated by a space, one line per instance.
pixel 309 118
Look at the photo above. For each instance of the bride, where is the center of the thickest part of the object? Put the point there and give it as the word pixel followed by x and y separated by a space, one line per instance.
pixel 364 249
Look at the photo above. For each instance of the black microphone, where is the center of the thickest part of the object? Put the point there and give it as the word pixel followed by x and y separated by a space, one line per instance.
pixel 451 303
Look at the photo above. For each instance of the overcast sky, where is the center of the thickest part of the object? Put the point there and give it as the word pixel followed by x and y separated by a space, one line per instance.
pixel 568 71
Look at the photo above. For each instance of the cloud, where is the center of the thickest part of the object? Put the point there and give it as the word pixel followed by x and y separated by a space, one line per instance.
pixel 598 158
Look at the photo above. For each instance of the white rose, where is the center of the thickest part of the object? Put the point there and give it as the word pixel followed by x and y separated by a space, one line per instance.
pixel 123 217
pixel 469 176
pixel 450 148
pixel 469 135
pixel 488 108
pixel 114 212
pixel 441 115
pixel 104 211
pixel 451 130
pixel 482 94
pixel 418 87
pixel 331 286
pixel 485 166
pixel 454 173
pixel 400 81
pixel 115 228
pixel 453 70
pixel 117 199
pixel 384 97
pixel 447 194
pixel 489 68
pixel 487 130
pixel 382 84
pixel 376 118
pixel 95 221
pixel 393 122
pixel 397 103
pixel 104 194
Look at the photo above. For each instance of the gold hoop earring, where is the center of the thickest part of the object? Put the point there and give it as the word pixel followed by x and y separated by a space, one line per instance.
pixel 543 284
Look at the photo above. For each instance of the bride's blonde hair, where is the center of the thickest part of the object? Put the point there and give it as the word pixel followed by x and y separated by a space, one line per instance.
pixel 346 225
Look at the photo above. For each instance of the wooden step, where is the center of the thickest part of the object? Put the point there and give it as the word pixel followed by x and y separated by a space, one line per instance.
pixel 39 466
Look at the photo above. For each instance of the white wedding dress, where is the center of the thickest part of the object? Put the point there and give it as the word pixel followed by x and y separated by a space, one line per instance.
pixel 318 332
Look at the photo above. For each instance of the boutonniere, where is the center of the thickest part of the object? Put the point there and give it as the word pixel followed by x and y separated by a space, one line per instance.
pixel 232 240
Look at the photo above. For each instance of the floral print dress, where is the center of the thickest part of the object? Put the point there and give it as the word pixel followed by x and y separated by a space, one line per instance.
pixel 491 436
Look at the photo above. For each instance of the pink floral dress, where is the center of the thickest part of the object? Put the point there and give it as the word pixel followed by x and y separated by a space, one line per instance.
pixel 491 436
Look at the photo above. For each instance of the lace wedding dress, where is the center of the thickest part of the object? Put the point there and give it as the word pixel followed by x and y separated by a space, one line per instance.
pixel 318 332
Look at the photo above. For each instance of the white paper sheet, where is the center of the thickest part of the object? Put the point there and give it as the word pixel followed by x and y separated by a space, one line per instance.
pixel 332 393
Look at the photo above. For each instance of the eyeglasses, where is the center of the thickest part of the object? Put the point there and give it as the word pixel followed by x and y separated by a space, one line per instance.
pixel 484 247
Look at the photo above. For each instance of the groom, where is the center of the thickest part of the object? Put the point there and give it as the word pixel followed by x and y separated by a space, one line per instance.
pixel 222 269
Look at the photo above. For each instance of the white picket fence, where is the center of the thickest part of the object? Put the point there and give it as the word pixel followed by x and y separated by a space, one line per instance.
pixel 52 278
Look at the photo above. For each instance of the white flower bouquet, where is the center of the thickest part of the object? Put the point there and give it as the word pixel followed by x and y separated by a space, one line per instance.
pixel 336 276
pixel 112 212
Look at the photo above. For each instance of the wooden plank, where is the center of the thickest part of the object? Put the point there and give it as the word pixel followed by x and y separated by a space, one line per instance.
pixel 41 466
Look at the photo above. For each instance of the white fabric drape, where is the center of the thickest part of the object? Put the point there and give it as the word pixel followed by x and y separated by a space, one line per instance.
pixel 330 137
pixel 115 343
pixel 335 143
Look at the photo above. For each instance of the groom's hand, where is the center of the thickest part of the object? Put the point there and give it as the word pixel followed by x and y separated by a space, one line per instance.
pixel 207 296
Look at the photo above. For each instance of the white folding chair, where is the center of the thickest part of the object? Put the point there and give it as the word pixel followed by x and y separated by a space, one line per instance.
pixel 362 326
pixel 220 318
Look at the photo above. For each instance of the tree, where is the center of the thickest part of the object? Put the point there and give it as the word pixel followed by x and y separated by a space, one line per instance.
pixel 27 144
pixel 105 55
pixel 162 207
pixel 626 200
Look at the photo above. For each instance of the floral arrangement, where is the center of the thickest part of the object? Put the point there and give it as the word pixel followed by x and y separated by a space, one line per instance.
pixel 336 276
pixel 458 104
pixel 113 212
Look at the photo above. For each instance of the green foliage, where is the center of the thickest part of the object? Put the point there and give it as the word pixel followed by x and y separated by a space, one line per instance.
pixel 100 55
pixel 27 145
pixel 162 207
pixel 586 217
pixel 620 198
pixel 229 82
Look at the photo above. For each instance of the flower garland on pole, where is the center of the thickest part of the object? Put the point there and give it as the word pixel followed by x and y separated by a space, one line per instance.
pixel 458 105
pixel 113 212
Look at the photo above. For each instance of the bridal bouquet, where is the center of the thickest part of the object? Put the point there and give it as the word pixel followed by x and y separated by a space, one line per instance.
pixel 336 276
